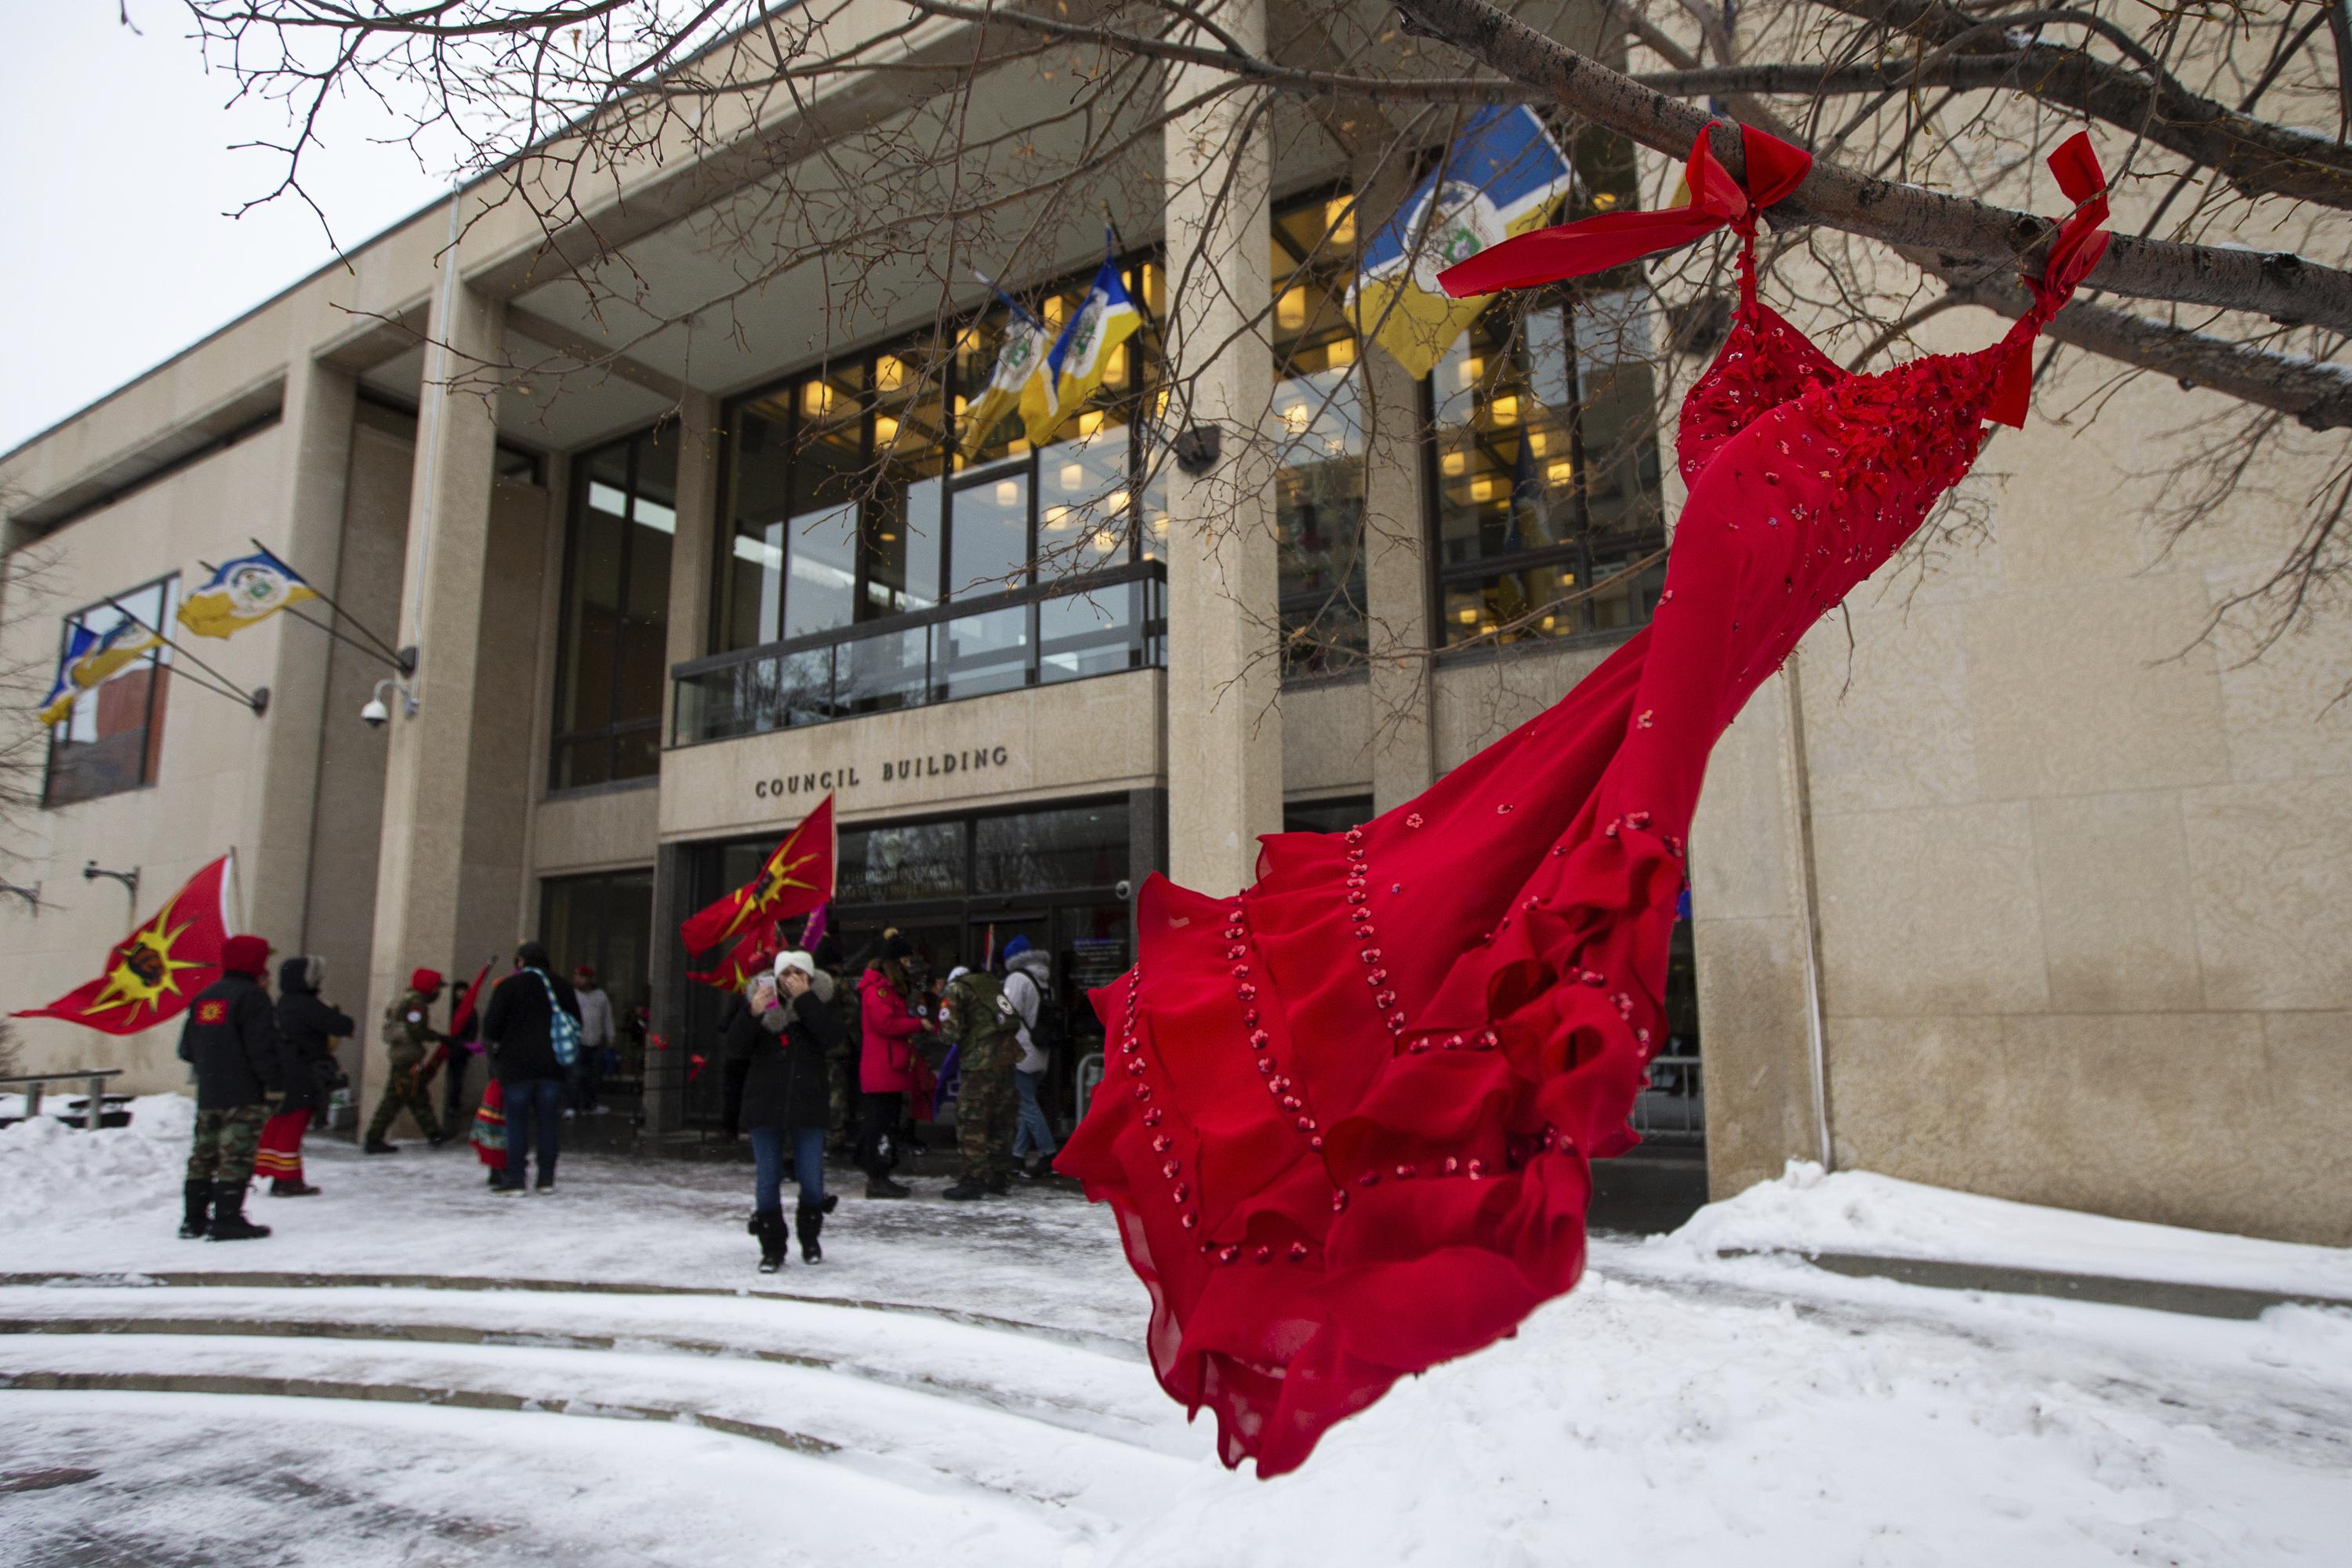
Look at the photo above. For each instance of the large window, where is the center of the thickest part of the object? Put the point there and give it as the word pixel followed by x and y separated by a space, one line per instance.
pixel 114 739
pixel 1546 450
pixel 860 492
pixel 1315 425
pixel 614 655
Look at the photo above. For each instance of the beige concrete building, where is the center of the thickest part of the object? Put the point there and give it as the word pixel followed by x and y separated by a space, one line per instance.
pixel 2030 892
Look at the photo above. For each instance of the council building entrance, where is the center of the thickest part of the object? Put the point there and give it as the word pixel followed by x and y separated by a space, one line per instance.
pixel 960 888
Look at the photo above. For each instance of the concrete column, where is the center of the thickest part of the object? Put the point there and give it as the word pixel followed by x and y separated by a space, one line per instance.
pixel 1752 928
pixel 1396 580
pixel 691 562
pixel 663 1107
pixel 310 535
pixel 428 771
pixel 694 549
pixel 1224 677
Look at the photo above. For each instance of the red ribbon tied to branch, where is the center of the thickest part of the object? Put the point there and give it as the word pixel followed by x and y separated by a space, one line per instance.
pixel 1611 239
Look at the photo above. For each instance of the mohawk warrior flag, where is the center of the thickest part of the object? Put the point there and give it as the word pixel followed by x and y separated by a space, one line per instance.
pixel 797 877
pixel 752 952
pixel 465 1008
pixel 154 972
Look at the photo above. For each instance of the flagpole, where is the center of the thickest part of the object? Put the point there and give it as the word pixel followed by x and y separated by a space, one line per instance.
pixel 352 643
pixel 251 700
pixel 201 684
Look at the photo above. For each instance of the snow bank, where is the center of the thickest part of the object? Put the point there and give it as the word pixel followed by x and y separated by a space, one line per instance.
pixel 1809 1211
pixel 46 1164
pixel 1630 1424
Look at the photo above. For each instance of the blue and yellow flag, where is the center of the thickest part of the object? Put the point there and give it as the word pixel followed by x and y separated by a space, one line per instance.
pixel 1020 380
pixel 92 656
pixel 1502 176
pixel 242 592
pixel 1106 319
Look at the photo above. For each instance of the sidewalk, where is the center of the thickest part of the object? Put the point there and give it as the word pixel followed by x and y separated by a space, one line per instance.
pixel 965 1383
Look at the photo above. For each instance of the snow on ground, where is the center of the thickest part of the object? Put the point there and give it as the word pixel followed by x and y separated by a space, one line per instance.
pixel 1678 1408
pixel 1808 1211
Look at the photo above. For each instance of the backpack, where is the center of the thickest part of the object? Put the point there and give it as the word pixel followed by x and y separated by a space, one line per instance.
pixel 1051 1032
pixel 562 1028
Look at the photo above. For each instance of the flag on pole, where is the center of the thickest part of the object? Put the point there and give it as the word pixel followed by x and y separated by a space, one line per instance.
pixel 154 972
pixel 752 952
pixel 1106 318
pixel 464 1012
pixel 796 878
pixel 1019 381
pixel 242 592
pixel 1503 176
pixel 90 658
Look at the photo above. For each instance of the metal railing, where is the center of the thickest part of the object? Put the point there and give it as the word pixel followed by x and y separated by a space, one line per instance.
pixel 1072 629
pixel 1672 1106
pixel 94 1112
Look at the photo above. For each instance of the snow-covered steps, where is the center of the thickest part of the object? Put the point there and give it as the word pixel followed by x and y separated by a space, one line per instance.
pixel 242 1482
pixel 1024 1370
pixel 910 1398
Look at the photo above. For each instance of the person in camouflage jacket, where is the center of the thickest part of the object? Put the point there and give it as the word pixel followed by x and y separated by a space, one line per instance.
pixel 409 1034
pixel 975 1015
pixel 230 1040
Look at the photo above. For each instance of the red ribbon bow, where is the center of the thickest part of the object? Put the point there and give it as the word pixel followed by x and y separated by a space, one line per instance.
pixel 1611 239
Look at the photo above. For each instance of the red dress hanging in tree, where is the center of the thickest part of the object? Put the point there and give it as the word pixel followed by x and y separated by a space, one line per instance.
pixel 1349 1112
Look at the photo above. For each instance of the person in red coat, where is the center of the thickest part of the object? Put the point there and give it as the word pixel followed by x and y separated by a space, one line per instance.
pixel 884 1063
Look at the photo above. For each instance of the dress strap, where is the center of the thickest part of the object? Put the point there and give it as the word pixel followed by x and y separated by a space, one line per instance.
pixel 1611 239
pixel 2074 252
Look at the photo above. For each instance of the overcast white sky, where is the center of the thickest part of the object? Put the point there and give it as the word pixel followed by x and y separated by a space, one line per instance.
pixel 116 173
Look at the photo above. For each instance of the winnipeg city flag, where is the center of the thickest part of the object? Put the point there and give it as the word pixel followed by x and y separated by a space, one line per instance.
pixel 154 972
pixel 797 877
pixel 242 592
pixel 1106 318
pixel 1503 176
pixel 1019 381
pixel 90 658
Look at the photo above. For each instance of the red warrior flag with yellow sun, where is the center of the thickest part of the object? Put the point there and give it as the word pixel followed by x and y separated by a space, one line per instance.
pixel 155 972
pixel 797 877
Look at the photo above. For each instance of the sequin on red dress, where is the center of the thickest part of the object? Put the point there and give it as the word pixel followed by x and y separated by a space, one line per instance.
pixel 1349 1112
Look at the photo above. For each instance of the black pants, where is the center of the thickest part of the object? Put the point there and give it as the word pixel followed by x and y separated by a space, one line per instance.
pixel 452 1087
pixel 878 1132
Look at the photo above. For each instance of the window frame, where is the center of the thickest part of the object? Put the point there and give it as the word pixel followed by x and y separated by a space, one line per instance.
pixel 1580 552
pixel 612 731
pixel 149 761
pixel 1141 351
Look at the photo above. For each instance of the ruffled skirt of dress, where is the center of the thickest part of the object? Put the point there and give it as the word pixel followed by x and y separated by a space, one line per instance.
pixel 1326 1186
pixel 1349 1113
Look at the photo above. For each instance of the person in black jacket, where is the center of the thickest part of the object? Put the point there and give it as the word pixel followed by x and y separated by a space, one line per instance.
pixel 307 1029
pixel 785 1041
pixel 521 1027
pixel 231 1039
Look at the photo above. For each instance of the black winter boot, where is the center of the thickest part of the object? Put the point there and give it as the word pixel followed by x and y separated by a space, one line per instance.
pixel 771 1224
pixel 378 1146
pixel 998 1184
pixel 229 1223
pixel 884 1187
pixel 965 1191
pixel 808 1223
pixel 199 1198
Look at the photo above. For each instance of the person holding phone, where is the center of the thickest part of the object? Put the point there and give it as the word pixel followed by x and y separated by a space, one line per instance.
pixel 785 1041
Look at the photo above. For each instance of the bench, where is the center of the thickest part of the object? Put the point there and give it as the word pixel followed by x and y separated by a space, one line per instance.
pixel 37 1082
